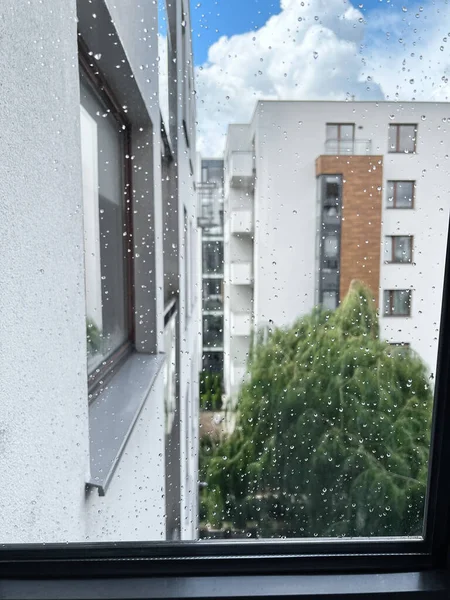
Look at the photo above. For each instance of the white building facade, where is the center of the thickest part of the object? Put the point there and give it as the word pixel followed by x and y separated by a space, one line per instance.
pixel 99 292
pixel 289 248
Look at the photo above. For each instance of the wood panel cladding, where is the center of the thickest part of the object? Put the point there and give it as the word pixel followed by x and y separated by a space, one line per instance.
pixel 362 178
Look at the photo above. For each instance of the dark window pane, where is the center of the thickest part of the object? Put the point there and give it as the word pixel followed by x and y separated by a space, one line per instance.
pixel 104 225
pixel 213 257
pixel 213 331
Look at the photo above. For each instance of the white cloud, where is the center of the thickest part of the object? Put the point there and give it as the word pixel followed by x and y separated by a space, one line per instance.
pixel 408 51
pixel 311 50
pixel 324 49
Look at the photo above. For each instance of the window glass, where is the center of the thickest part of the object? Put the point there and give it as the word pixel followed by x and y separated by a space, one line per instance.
pixel 213 331
pixel 402 249
pixel 329 301
pixel 398 249
pixel 189 220
pixel 213 257
pixel 331 246
pixel 400 194
pixel 407 138
pixel 397 302
pixel 402 138
pixel 102 151
pixel 404 194
pixel 332 132
pixel 347 132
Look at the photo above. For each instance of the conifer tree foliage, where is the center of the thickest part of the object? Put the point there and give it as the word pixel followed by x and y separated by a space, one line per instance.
pixel 332 433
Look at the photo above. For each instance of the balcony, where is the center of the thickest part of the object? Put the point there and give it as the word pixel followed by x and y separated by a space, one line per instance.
pixel 240 169
pixel 348 147
pixel 241 222
pixel 241 324
pixel 241 273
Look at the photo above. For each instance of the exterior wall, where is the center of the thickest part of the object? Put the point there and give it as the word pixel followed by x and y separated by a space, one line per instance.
pixel 184 142
pixel 361 217
pixel 238 249
pixel 44 410
pixel 288 137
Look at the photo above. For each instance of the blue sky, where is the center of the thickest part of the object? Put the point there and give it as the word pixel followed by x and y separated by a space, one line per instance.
pixel 213 18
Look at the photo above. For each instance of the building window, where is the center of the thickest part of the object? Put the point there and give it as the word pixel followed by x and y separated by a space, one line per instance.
pixel 212 294
pixel 212 257
pixel 329 299
pixel 397 303
pixel 330 252
pixel 398 249
pixel 403 138
pixel 400 194
pixel 213 331
pixel 340 137
pixel 107 229
pixel 397 348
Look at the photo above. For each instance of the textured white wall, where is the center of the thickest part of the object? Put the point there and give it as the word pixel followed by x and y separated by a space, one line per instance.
pixel 44 442
pixel 43 408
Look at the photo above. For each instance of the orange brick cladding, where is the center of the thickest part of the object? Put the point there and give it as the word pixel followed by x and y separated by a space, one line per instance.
pixel 361 217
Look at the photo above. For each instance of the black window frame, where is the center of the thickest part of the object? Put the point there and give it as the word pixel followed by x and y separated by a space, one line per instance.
pixel 103 373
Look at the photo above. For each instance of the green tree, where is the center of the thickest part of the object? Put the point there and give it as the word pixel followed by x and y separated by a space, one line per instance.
pixel 331 436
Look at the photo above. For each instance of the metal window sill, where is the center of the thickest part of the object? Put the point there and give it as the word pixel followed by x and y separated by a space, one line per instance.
pixel 426 586
pixel 114 413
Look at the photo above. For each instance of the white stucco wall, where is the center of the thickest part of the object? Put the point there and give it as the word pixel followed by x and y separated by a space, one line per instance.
pixel 44 436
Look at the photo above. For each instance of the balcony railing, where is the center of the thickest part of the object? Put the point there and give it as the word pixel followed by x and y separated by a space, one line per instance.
pixel 348 147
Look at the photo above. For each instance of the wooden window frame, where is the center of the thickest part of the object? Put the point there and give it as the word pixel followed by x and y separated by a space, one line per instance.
pixel 391 312
pixel 395 183
pixel 400 262
pixel 103 373
pixel 397 138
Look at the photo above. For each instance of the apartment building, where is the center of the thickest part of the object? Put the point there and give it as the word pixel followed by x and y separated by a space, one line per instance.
pixel 320 193
pixel 210 198
pixel 100 327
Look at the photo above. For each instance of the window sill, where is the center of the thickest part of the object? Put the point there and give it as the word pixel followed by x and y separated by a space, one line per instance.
pixel 114 413
pixel 418 585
